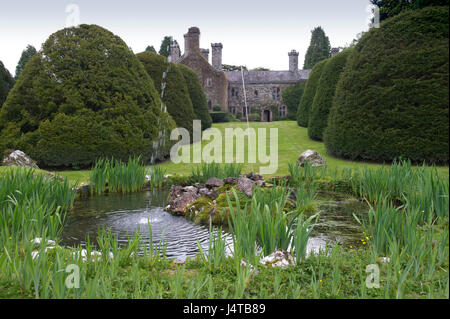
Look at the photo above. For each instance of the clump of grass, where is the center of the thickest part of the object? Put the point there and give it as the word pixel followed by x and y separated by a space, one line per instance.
pixel 156 175
pixel 116 176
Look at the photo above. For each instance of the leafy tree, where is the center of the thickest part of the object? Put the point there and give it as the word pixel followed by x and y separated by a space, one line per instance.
pixel 151 48
pixel 318 115
pixel 260 69
pixel 291 97
pixel 392 97
pixel 176 94
pixel 197 96
pixel 390 8
pixel 26 56
pixel 6 83
pixel 84 95
pixel 319 48
pixel 309 94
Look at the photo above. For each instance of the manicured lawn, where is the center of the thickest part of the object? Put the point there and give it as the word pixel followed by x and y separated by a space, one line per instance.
pixel 292 141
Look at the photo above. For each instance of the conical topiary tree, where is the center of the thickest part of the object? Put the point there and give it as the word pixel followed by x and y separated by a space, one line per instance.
pixel 197 96
pixel 318 115
pixel 309 94
pixel 392 97
pixel 83 96
pixel 176 94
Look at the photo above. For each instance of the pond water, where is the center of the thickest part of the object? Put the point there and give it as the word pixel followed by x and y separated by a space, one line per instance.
pixel 125 214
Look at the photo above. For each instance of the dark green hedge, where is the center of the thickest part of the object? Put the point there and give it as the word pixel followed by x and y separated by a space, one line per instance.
pixel 84 95
pixel 318 115
pixel 309 93
pixel 392 98
pixel 221 117
pixel 6 83
pixel 291 97
pixel 197 96
pixel 176 95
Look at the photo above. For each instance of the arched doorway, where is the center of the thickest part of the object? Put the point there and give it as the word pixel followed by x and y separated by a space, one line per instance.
pixel 267 116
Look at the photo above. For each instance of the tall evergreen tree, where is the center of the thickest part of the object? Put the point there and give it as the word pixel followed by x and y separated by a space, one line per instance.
pixel 6 83
pixel 26 56
pixel 319 48
pixel 164 50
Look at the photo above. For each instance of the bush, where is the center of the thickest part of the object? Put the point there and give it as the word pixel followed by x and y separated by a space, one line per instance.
pixel 221 117
pixel 217 108
pixel 254 117
pixel 6 83
pixel 318 115
pixel 392 98
pixel 309 93
pixel 197 96
pixel 84 95
pixel 176 95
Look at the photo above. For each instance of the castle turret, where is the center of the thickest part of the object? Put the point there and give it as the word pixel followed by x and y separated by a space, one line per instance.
pixel 174 52
pixel 216 58
pixel 192 41
pixel 293 61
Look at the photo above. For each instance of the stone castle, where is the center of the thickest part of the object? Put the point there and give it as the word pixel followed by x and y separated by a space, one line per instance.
pixel 263 89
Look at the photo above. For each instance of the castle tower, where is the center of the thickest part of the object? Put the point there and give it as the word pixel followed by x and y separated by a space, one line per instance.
pixel 293 61
pixel 192 41
pixel 174 52
pixel 217 55
pixel 205 53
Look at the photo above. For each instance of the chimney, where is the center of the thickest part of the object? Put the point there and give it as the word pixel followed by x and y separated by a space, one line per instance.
pixel 174 52
pixel 205 53
pixel 192 41
pixel 217 55
pixel 293 61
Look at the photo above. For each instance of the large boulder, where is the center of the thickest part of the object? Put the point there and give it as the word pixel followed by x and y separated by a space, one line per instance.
pixel 18 158
pixel 245 185
pixel 311 157
pixel 180 198
pixel 279 258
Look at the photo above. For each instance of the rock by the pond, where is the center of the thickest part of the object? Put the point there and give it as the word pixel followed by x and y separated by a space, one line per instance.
pixel 214 182
pixel 254 176
pixel 245 185
pixel 279 258
pixel 230 180
pixel 180 198
pixel 208 193
pixel 18 158
pixel 311 157
pixel 83 188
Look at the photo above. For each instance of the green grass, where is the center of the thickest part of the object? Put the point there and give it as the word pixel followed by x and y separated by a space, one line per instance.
pixel 292 141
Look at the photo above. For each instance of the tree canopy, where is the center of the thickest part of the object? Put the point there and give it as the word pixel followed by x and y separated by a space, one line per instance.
pixel 6 83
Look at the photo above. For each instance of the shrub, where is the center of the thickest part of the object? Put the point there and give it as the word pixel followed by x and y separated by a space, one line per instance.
pixel 318 115
pixel 291 97
pixel 392 98
pixel 6 83
pixel 309 93
pixel 197 96
pixel 217 108
pixel 176 95
pixel 221 117
pixel 84 95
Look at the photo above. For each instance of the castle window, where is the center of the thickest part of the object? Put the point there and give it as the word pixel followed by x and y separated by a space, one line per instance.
pixel 282 111
pixel 209 82
pixel 276 94
pixel 256 94
pixel 235 93
pixel 210 105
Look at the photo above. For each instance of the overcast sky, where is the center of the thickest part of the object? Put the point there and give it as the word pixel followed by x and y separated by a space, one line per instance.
pixel 253 33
